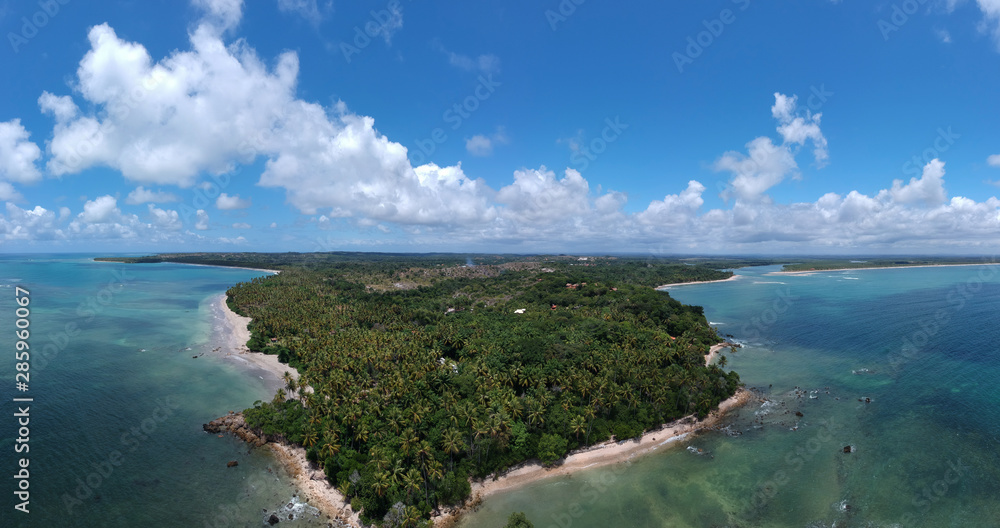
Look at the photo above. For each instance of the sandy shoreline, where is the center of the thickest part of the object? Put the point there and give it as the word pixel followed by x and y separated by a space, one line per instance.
pixel 597 455
pixel 714 351
pixel 230 267
pixel 235 347
pixel 810 272
pixel 665 286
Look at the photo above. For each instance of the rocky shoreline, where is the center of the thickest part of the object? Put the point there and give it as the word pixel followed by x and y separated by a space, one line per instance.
pixel 311 482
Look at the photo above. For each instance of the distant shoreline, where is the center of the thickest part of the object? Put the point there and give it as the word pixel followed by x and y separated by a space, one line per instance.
pixel 665 286
pixel 221 266
pixel 810 272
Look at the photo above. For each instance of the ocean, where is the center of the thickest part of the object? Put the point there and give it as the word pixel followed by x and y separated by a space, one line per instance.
pixel 898 366
pixel 114 428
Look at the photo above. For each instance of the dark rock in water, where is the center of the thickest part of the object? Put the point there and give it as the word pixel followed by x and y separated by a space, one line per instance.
pixel 849 449
pixel 235 423
pixel 798 413
pixel 232 463
pixel 273 520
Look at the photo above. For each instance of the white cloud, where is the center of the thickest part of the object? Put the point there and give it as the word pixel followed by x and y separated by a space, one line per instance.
pixel 222 14
pixel 797 129
pixel 17 154
pixel 165 219
pixel 767 164
pixel 943 35
pixel 485 64
pixel 482 145
pixel 168 122
pixel 202 223
pixel 273 225
pixel 675 209
pixel 241 225
pixel 479 145
pixel 63 108
pixel 29 224
pixel 929 188
pixel 141 196
pixel 994 160
pixel 229 203
pixel 100 210
pixel 8 193
pixel 307 9
pixel 991 18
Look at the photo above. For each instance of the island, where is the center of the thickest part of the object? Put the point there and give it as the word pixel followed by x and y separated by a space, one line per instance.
pixel 419 374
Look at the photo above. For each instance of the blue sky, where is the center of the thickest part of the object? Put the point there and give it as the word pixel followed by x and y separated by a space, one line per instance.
pixel 734 126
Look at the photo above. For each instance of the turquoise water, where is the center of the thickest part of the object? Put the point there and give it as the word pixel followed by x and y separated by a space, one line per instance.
pixel 119 401
pixel 922 344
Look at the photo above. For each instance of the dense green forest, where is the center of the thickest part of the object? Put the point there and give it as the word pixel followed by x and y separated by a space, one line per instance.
pixel 423 373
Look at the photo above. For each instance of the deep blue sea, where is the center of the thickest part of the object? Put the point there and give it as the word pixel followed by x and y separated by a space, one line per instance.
pixel 901 366
pixel 115 426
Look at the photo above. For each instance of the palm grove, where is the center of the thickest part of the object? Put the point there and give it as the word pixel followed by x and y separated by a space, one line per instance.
pixel 416 376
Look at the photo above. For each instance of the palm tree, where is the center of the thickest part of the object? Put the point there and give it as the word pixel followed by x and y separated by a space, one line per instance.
pixel 381 482
pixel 578 424
pixel 309 437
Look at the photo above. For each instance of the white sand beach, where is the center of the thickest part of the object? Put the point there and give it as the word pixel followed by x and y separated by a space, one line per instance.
pixel 668 286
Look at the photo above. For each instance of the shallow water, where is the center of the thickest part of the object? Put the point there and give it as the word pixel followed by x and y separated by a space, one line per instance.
pixel 922 344
pixel 115 425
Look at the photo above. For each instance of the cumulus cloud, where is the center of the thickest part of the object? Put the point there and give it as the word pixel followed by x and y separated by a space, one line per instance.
pixel 228 203
pixel 767 164
pixel 165 218
pixel 216 106
pixel 17 154
pixel 101 210
pixel 141 196
pixel 29 224
pixel 994 160
pixel 165 123
pixel 675 209
pixel 928 189
pixel 241 225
